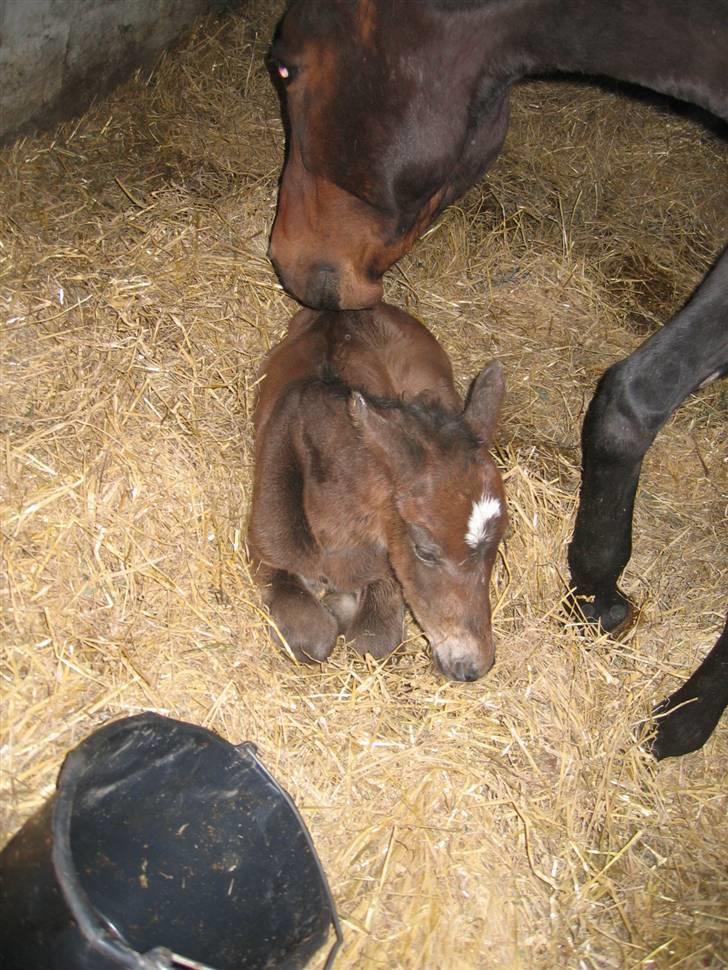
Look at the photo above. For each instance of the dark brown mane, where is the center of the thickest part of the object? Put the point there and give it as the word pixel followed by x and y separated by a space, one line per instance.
pixel 450 430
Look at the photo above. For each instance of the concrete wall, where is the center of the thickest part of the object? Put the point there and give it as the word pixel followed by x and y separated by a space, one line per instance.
pixel 56 55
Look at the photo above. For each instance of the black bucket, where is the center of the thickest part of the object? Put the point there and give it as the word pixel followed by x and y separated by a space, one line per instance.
pixel 165 846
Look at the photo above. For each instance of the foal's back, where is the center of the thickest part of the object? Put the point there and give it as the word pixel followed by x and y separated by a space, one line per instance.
pixel 383 351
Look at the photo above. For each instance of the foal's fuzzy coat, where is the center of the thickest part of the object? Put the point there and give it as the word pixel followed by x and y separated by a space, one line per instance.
pixel 373 486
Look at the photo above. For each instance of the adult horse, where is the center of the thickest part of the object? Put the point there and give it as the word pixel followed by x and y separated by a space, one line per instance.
pixel 394 109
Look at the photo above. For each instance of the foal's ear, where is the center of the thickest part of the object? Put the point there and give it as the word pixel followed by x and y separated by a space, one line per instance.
pixel 368 420
pixel 363 417
pixel 382 431
pixel 483 405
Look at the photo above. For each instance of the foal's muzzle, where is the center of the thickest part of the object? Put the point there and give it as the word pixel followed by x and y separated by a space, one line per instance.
pixel 464 658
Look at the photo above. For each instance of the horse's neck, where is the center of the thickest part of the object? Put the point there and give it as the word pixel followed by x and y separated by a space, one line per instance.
pixel 672 46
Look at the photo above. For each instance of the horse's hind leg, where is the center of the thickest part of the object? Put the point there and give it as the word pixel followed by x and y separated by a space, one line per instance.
pixel 634 399
pixel 687 718
pixel 309 629
pixel 379 622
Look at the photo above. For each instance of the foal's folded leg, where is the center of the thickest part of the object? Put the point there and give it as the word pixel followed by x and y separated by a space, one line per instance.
pixel 379 622
pixel 310 630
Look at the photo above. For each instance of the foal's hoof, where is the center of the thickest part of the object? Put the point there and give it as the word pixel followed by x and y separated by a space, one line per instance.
pixel 615 618
pixel 377 643
pixel 308 651
pixel 311 639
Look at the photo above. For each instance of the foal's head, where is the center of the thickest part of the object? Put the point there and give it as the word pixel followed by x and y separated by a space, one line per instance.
pixel 446 515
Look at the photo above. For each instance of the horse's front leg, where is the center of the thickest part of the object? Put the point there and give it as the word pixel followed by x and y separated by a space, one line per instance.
pixel 612 452
pixel 309 629
pixel 634 399
pixel 378 624
pixel 686 719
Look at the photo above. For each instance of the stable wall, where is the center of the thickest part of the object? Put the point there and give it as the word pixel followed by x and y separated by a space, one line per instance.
pixel 57 55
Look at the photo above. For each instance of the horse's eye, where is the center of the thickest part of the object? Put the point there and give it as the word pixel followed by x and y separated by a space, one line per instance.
pixel 423 545
pixel 285 72
pixel 427 556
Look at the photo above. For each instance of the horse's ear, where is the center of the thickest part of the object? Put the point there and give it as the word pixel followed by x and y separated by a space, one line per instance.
pixel 483 405
pixel 359 410
pixel 369 420
pixel 382 432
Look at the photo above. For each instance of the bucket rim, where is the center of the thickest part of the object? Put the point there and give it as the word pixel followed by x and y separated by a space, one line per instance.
pixel 100 934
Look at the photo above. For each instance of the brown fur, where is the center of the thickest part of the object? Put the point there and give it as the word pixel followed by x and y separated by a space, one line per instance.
pixel 367 468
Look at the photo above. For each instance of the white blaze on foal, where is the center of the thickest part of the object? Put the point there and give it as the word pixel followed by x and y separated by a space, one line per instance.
pixel 484 510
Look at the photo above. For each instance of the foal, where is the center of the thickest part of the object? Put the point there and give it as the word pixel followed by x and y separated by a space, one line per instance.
pixel 373 485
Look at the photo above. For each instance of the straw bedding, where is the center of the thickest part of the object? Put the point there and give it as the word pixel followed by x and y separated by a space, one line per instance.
pixel 510 823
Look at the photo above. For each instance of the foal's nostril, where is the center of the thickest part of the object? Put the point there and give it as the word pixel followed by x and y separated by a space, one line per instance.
pixel 464 670
pixel 463 662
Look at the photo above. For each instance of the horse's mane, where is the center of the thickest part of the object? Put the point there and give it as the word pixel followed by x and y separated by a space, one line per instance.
pixel 454 6
pixel 449 428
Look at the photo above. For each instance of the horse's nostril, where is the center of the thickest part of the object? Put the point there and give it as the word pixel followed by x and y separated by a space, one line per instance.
pixel 460 664
pixel 464 671
pixel 322 291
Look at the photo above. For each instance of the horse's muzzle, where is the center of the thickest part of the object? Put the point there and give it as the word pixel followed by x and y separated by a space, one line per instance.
pixel 325 286
pixel 320 289
pixel 464 658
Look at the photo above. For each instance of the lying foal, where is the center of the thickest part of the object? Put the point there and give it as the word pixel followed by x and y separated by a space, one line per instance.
pixel 373 485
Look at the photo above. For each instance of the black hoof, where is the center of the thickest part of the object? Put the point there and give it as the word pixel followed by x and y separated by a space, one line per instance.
pixel 615 616
pixel 683 725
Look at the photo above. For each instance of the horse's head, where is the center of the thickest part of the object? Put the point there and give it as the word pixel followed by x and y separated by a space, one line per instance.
pixel 388 121
pixel 446 517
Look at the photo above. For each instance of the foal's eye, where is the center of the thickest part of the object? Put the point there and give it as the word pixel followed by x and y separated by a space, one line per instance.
pixel 427 556
pixel 424 545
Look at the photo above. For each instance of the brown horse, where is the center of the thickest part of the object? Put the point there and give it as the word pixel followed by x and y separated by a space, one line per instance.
pixel 394 109
pixel 374 486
